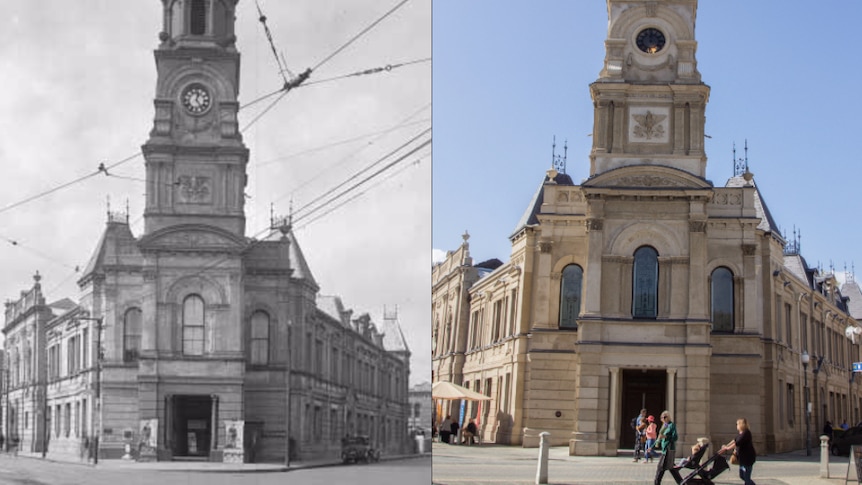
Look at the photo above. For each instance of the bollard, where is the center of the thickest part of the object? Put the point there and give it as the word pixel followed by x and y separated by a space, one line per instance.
pixel 542 471
pixel 824 456
pixel 128 452
pixel 420 443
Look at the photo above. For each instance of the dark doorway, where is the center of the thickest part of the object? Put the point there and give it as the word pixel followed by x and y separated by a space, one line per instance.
pixel 192 426
pixel 641 389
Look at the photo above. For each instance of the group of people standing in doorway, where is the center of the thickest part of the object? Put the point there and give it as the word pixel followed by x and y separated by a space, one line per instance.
pixel 649 438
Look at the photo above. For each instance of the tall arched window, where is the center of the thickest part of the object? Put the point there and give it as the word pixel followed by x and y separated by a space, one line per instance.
pixel 131 334
pixel 198 17
pixel 260 338
pixel 570 295
pixel 645 283
pixel 722 300
pixel 193 325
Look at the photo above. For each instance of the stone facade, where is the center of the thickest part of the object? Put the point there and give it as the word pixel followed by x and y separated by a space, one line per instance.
pixel 645 285
pixel 193 340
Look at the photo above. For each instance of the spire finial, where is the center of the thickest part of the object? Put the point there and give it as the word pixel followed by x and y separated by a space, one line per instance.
pixel 558 162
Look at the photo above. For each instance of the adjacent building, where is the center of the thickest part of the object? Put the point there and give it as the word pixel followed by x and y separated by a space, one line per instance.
pixel 646 285
pixel 192 340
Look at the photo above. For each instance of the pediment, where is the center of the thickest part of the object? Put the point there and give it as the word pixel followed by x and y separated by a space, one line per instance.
pixel 192 238
pixel 648 178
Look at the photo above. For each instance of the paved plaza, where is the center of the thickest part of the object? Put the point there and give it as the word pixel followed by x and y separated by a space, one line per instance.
pixel 496 464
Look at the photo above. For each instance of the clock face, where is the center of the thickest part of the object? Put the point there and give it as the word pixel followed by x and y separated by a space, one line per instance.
pixel 650 40
pixel 196 99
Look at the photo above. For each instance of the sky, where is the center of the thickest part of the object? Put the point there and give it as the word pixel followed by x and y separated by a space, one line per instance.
pixel 78 82
pixel 511 75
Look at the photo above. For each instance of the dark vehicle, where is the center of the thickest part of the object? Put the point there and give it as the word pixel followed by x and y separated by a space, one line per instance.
pixel 841 442
pixel 358 448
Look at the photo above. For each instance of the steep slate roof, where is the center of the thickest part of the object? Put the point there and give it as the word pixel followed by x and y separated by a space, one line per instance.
pixel 332 306
pixel 117 246
pixel 795 264
pixel 530 215
pixel 297 260
pixel 393 337
pixel 851 289
pixel 767 223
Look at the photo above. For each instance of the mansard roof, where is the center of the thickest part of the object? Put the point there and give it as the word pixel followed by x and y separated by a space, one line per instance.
pixel 851 289
pixel 530 216
pixel 297 259
pixel 767 222
pixel 116 247
pixel 393 337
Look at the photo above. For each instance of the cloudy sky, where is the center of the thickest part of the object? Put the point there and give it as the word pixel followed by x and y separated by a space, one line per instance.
pixel 78 85
pixel 509 75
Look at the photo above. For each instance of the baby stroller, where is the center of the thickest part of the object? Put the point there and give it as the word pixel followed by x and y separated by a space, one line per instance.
pixel 700 473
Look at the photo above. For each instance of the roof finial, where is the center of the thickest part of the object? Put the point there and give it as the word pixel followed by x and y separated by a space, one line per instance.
pixel 558 162
pixel 465 236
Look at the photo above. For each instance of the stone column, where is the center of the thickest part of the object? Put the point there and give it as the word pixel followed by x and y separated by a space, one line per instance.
pixel 671 396
pixel 614 404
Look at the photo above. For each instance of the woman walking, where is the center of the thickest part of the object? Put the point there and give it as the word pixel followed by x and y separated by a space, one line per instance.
pixel 744 449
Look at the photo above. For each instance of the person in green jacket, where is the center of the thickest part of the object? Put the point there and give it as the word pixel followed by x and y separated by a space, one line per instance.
pixel 666 442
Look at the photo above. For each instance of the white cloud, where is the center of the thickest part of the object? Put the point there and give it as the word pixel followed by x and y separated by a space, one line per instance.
pixel 438 255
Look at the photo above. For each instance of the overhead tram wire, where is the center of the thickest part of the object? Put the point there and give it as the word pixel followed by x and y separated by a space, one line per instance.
pixel 297 81
pixel 369 167
pixel 340 142
pixel 102 168
pixel 357 195
pixel 373 70
pixel 361 182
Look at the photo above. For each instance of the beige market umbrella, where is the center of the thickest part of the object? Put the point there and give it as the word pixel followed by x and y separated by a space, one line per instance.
pixel 447 390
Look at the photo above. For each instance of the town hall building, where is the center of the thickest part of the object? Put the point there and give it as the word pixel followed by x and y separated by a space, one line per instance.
pixel 646 286
pixel 193 340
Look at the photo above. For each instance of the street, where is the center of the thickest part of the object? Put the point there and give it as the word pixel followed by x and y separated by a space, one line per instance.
pixel 31 471
pixel 497 464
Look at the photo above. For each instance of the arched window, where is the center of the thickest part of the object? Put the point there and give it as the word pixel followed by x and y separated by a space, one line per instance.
pixel 131 334
pixel 259 338
pixel 417 410
pixel 193 325
pixel 722 300
pixel 570 295
pixel 645 283
pixel 198 17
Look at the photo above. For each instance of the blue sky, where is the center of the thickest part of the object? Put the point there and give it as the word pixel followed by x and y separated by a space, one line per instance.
pixel 509 75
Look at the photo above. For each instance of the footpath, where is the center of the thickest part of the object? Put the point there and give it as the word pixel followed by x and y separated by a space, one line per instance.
pixel 203 466
pixel 490 464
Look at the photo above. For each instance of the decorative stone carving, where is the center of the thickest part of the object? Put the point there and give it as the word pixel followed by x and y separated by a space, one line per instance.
pixel 594 224
pixel 192 239
pixel 645 180
pixel 649 125
pixel 545 246
pixel 697 226
pixel 723 198
pixel 651 9
pixel 194 189
pixel 562 196
pixel 748 249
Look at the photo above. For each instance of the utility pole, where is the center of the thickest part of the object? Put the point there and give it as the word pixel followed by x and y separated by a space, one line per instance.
pixel 285 227
pixel 97 401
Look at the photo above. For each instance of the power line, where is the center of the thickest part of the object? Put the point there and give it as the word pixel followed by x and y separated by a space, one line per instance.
pixel 373 70
pixel 340 142
pixel 356 196
pixel 363 181
pixel 379 161
pixel 102 168
pixel 360 34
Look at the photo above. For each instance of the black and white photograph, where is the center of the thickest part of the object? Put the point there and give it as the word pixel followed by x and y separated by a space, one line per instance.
pixel 215 241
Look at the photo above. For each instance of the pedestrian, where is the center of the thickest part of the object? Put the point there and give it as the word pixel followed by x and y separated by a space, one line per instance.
pixel 446 429
pixel 638 424
pixel 651 433
pixel 469 431
pixel 743 447
pixel 454 428
pixel 666 441
pixel 844 425
pixel 827 430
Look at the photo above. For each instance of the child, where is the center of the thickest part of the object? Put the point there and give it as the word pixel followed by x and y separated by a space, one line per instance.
pixel 651 435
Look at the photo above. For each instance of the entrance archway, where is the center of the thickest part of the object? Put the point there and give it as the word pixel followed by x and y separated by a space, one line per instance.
pixel 641 388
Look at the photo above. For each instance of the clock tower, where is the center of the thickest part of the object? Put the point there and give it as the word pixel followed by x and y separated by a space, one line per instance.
pixel 195 157
pixel 649 99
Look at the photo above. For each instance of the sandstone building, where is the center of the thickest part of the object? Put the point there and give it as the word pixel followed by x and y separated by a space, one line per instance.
pixel 646 285
pixel 192 340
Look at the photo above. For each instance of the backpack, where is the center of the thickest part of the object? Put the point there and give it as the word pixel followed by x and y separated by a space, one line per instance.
pixel 634 423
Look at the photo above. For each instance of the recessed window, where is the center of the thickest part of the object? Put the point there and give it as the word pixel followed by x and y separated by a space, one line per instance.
pixel 198 17
pixel 570 295
pixel 193 325
pixel 132 334
pixel 645 283
pixel 260 338
pixel 722 300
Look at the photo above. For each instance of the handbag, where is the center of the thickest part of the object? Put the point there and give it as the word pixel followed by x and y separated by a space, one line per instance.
pixel 734 459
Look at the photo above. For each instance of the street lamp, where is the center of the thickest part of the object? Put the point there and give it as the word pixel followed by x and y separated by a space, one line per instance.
pixel 805 360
